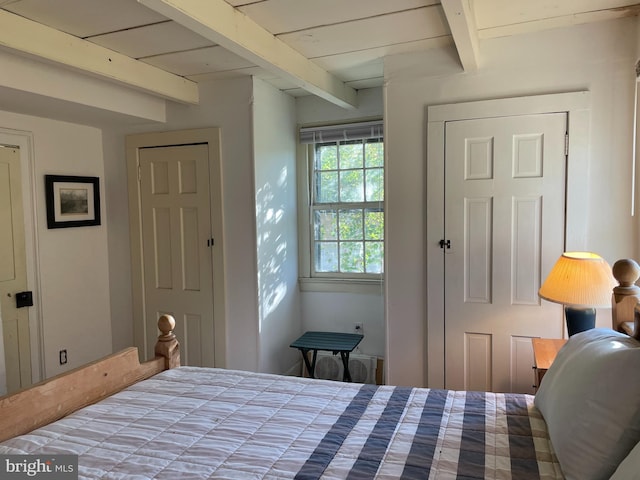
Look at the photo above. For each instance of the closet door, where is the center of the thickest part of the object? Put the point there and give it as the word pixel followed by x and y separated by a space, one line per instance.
pixel 175 212
pixel 13 275
pixel 176 245
pixel 504 218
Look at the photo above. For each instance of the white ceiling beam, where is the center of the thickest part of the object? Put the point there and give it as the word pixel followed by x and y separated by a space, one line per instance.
pixel 26 36
pixel 463 29
pixel 219 22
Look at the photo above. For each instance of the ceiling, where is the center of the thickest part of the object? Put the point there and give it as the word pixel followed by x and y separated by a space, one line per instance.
pixel 329 48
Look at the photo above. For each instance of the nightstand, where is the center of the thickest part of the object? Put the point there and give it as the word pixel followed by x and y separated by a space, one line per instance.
pixel 544 353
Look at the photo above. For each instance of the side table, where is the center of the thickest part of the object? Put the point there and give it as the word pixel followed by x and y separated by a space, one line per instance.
pixel 336 342
pixel 544 353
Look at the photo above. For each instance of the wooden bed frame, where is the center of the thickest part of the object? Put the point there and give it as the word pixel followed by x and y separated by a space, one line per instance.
pixel 57 397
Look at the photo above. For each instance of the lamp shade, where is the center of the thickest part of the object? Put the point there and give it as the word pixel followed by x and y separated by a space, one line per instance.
pixel 579 279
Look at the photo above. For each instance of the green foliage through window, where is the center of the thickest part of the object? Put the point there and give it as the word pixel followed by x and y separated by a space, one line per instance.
pixel 348 213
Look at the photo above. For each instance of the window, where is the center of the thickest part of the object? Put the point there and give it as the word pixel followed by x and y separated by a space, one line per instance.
pixel 346 201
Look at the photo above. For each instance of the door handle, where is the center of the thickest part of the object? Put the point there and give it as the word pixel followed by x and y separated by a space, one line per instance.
pixel 24 299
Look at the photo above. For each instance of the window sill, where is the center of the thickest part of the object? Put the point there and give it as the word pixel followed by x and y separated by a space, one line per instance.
pixel 347 285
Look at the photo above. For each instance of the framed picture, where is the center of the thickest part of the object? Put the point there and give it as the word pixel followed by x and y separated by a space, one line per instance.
pixel 72 201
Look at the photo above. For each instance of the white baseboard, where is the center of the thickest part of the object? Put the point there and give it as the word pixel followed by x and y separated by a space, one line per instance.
pixel 295 370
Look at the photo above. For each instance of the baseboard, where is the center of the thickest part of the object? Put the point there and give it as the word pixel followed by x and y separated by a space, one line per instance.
pixel 295 370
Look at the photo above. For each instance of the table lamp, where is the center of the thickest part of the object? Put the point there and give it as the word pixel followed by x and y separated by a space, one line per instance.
pixel 580 281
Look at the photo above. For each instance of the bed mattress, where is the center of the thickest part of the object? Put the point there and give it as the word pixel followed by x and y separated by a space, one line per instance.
pixel 212 423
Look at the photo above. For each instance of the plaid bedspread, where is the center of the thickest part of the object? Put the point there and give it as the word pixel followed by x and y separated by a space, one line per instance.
pixel 212 423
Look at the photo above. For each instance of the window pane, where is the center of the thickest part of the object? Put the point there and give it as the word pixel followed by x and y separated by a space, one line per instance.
pixel 351 257
pixel 351 155
pixel 326 187
pixel 327 257
pixel 374 154
pixel 375 185
pixel 373 225
pixel 327 157
pixel 351 225
pixel 352 186
pixel 347 213
pixel 326 225
pixel 374 257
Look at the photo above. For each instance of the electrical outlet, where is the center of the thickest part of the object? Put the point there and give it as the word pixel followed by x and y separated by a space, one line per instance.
pixel 357 328
pixel 63 357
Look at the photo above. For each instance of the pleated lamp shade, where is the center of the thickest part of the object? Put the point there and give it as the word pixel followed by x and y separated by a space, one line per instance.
pixel 579 279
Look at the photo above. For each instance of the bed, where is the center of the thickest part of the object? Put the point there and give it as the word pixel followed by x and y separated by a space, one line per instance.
pixel 162 421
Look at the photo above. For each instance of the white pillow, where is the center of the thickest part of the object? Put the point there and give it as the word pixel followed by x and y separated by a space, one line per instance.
pixel 629 469
pixel 590 400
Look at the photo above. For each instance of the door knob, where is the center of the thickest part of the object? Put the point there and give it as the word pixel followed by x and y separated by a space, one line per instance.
pixel 24 299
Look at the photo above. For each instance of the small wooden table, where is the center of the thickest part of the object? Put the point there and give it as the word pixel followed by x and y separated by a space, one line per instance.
pixel 336 342
pixel 544 353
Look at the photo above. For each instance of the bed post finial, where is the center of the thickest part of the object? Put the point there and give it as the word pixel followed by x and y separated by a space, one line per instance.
pixel 626 295
pixel 167 345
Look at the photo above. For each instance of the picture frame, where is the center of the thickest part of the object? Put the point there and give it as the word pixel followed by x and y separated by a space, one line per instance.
pixel 72 201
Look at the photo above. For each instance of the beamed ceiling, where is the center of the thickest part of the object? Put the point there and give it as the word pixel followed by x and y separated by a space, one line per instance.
pixel 328 48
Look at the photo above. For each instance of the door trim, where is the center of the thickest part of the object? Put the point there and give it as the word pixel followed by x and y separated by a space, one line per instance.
pixel 134 143
pixel 577 107
pixel 24 140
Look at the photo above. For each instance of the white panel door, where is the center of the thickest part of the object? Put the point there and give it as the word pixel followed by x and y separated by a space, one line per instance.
pixel 13 272
pixel 177 247
pixel 504 217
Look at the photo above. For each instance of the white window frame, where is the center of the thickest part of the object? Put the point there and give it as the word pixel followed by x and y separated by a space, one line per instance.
pixel 323 281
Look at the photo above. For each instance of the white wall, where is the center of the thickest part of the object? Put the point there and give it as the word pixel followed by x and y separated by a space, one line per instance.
pixel 73 262
pixel 274 140
pixel 117 217
pixel 596 57
pixel 339 311
pixel 637 115
pixel 77 311
pixel 311 110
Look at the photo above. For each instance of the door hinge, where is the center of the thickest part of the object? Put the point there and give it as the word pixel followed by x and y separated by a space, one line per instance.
pixel 139 174
pixel 445 243
pixel 566 144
